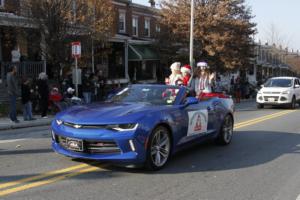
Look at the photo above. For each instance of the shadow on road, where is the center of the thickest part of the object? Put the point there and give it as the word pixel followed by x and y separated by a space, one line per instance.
pixel 248 149
pixel 27 151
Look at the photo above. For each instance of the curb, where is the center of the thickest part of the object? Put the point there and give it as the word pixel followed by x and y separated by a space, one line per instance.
pixel 11 125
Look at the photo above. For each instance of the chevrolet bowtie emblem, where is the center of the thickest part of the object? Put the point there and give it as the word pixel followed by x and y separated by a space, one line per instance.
pixel 77 126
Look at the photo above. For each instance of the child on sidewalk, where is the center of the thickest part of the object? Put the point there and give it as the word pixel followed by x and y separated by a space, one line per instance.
pixel 26 101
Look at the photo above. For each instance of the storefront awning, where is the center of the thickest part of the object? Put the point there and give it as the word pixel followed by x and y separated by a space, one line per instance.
pixel 142 53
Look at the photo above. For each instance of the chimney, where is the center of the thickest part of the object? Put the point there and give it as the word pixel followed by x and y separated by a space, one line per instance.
pixel 152 3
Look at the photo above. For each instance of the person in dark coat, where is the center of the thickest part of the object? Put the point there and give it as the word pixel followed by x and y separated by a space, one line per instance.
pixel 87 88
pixel 12 90
pixel 43 90
pixel 26 100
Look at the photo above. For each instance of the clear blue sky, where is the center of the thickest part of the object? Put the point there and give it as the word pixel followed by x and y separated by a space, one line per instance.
pixel 284 14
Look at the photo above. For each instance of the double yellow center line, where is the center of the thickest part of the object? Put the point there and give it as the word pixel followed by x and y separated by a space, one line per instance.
pixel 46 178
pixel 58 175
pixel 261 119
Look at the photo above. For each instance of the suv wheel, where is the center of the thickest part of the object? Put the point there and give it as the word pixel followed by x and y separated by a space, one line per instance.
pixel 293 103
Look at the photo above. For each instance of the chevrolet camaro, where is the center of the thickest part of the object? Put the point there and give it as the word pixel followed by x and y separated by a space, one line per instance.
pixel 142 125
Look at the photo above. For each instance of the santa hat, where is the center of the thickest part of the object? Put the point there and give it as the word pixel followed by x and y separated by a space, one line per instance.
pixel 175 66
pixel 186 69
pixel 203 65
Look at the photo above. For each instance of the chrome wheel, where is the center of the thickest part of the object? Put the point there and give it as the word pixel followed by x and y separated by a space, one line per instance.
pixel 160 147
pixel 227 129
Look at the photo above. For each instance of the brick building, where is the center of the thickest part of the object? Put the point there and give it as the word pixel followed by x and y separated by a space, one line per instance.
pixel 16 32
pixel 133 57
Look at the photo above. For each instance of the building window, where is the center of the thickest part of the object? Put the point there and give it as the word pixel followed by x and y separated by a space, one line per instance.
pixel 157 28
pixel 1 3
pixel 147 27
pixel 135 26
pixel 122 22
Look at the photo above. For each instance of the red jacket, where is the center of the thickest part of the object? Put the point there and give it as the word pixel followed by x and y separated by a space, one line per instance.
pixel 186 80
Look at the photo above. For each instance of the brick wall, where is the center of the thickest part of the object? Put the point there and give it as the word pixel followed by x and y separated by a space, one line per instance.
pixel 142 13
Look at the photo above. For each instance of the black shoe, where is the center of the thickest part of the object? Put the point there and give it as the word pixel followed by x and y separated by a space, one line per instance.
pixel 17 121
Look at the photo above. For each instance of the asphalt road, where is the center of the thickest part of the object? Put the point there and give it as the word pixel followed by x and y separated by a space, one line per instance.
pixel 261 163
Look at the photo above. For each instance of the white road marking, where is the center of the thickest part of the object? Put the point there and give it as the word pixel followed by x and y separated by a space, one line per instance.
pixel 10 141
pixel 298 198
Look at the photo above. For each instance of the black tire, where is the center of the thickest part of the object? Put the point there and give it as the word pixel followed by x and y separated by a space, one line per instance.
pixel 260 106
pixel 293 103
pixel 152 148
pixel 226 131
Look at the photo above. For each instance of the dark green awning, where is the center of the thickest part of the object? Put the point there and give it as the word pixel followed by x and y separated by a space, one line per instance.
pixel 141 52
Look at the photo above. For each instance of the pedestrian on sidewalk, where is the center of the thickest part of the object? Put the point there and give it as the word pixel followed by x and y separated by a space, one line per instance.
pixel 43 90
pixel 12 89
pixel 87 88
pixel 237 90
pixel 26 100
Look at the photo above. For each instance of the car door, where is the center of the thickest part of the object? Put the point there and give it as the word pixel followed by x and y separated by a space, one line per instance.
pixel 200 120
pixel 297 89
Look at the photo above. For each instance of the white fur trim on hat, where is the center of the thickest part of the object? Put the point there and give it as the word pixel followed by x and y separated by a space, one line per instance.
pixel 175 66
pixel 202 64
pixel 185 69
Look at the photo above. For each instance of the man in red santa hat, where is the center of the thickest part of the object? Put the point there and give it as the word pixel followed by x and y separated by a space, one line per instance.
pixel 186 73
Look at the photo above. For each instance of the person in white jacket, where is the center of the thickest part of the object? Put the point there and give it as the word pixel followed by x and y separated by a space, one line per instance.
pixel 176 74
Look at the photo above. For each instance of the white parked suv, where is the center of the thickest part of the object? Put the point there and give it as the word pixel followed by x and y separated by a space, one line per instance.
pixel 279 91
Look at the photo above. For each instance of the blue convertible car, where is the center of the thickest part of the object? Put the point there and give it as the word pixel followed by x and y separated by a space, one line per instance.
pixel 142 124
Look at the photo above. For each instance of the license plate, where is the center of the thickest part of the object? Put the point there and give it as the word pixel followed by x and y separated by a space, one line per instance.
pixel 271 99
pixel 74 144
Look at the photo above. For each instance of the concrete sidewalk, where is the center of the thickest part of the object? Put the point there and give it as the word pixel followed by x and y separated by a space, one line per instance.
pixel 6 123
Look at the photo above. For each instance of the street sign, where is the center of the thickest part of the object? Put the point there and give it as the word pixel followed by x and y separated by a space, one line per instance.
pixel 76 49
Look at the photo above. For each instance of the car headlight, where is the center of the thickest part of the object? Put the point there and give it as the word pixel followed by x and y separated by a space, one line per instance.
pixel 286 92
pixel 59 122
pixel 123 127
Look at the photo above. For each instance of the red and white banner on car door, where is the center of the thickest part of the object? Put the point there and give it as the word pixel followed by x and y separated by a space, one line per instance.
pixel 198 121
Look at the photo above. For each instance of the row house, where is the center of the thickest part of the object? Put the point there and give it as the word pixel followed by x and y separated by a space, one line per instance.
pixel 16 44
pixel 133 57
pixel 270 61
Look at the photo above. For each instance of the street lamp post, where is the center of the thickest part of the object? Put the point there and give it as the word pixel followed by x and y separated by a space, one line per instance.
pixel 192 34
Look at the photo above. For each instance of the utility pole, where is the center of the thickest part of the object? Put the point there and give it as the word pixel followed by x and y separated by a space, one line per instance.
pixel 92 35
pixel 192 35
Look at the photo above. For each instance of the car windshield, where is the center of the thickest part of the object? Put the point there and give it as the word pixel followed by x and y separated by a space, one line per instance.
pixel 152 94
pixel 279 83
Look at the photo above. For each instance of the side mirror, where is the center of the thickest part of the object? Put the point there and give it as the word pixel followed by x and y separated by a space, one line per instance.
pixel 297 86
pixel 262 86
pixel 191 101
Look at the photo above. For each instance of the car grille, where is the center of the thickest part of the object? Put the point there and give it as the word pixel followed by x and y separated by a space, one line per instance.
pixel 274 97
pixel 77 126
pixel 100 147
pixel 271 92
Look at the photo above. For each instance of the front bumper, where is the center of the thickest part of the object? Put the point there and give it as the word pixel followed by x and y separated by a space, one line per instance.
pixel 280 99
pixel 127 149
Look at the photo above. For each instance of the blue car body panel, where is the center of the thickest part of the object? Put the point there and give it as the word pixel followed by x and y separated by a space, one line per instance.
pixel 96 116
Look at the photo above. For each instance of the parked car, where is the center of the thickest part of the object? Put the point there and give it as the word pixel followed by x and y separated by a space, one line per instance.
pixel 142 124
pixel 279 91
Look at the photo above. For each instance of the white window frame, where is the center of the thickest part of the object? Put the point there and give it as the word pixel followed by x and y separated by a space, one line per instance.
pixel 147 26
pixel 135 19
pixel 122 16
pixel 2 3
pixel 157 28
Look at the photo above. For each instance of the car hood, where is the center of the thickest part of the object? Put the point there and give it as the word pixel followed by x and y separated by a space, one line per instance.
pixel 107 113
pixel 273 89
